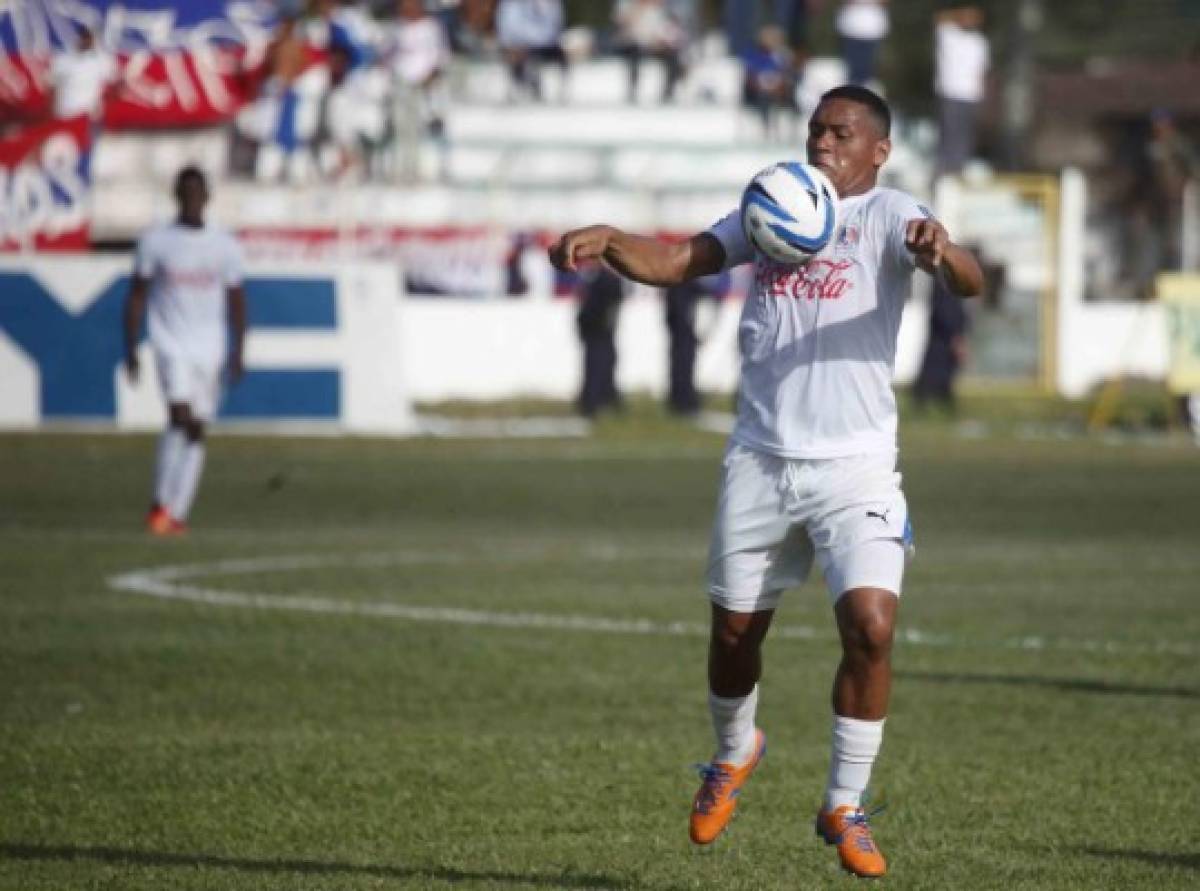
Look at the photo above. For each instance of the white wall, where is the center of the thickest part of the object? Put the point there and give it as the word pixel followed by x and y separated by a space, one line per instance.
pixel 480 350
pixel 1098 340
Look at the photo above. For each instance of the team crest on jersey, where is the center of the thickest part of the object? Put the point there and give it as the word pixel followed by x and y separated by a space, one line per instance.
pixel 847 239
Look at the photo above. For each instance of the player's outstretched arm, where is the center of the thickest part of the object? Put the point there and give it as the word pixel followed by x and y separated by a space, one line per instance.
pixel 135 309
pixel 650 261
pixel 938 255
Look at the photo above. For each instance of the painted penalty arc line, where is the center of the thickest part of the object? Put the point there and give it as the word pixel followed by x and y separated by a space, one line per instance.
pixel 173 583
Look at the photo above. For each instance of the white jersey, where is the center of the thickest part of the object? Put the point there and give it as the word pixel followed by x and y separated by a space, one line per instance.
pixel 962 57
pixel 189 271
pixel 818 341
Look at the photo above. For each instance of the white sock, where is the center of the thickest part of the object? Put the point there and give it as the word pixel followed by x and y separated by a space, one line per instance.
pixel 733 723
pixel 187 478
pixel 855 745
pixel 170 450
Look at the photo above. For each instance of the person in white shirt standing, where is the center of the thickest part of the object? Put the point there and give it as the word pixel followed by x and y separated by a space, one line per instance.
pixel 809 472
pixel 961 59
pixel 80 79
pixel 861 26
pixel 189 276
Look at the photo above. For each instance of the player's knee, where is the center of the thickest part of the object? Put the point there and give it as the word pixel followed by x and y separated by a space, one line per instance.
pixel 194 430
pixel 733 641
pixel 867 632
pixel 870 636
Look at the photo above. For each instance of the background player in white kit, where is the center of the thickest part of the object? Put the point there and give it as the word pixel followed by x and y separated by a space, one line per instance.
pixel 809 471
pixel 189 274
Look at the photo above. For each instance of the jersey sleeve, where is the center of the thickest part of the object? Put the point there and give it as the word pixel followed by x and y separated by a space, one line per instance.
pixel 145 258
pixel 235 264
pixel 900 210
pixel 728 231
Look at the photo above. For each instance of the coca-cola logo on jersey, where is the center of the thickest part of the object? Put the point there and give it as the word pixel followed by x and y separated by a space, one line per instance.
pixel 192 278
pixel 816 280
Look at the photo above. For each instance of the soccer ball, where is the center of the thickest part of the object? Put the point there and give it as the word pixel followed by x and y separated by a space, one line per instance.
pixel 788 212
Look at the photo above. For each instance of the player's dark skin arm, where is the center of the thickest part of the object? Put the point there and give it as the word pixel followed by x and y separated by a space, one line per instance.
pixel 941 257
pixel 135 310
pixel 235 307
pixel 650 261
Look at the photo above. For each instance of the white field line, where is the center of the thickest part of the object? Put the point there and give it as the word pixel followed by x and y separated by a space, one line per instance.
pixel 172 583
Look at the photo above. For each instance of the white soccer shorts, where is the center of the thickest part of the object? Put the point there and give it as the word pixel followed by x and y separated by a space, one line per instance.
pixel 775 516
pixel 185 379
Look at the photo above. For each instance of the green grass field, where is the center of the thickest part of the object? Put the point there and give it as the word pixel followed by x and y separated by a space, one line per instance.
pixel 394 670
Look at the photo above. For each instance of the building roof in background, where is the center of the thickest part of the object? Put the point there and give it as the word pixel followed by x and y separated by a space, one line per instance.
pixel 1121 87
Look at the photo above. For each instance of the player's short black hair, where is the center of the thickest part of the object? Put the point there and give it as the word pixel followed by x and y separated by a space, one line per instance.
pixel 878 109
pixel 189 172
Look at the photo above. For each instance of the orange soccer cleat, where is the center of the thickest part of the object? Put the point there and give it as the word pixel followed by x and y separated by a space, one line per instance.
pixel 163 525
pixel 717 799
pixel 158 521
pixel 847 828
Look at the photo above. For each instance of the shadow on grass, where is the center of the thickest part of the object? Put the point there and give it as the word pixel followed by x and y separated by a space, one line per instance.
pixel 1154 858
pixel 1070 685
pixel 133 857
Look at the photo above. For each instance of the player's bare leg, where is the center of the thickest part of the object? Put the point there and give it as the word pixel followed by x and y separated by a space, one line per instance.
pixel 866 619
pixel 734 667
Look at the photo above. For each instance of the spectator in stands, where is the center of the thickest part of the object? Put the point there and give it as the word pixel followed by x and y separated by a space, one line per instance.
pixel 530 34
pixel 861 26
pixel 287 59
pixel 1172 162
pixel 792 17
pixel 346 26
pixel 354 109
pixel 961 57
pixel 417 52
pixel 650 29
pixel 341 140
pixel 81 78
pixel 769 85
pixel 471 25
pixel 602 292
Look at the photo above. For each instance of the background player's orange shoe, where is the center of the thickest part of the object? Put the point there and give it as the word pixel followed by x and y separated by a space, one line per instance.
pixel 717 799
pixel 847 828
pixel 158 521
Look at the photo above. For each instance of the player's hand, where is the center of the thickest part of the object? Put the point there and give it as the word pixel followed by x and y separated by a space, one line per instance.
pixel 234 370
pixel 580 246
pixel 928 240
pixel 133 368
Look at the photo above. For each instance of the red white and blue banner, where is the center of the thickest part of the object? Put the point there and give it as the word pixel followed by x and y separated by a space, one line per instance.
pixel 44 188
pixel 184 64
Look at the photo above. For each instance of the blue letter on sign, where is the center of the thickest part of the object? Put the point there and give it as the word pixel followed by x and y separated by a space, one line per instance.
pixel 76 355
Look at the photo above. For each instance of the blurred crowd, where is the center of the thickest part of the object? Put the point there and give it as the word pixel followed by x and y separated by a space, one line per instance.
pixel 356 85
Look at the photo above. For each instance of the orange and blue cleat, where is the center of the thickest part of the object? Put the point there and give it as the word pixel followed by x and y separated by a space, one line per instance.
pixel 847 828
pixel 717 799
pixel 162 524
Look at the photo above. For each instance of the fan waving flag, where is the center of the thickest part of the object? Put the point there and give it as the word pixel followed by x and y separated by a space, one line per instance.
pixel 44 189
pixel 185 64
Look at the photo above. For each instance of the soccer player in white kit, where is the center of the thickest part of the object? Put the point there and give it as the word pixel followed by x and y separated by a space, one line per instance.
pixel 809 471
pixel 189 275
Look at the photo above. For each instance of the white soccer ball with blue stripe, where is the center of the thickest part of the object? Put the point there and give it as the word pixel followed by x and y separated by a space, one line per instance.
pixel 789 212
